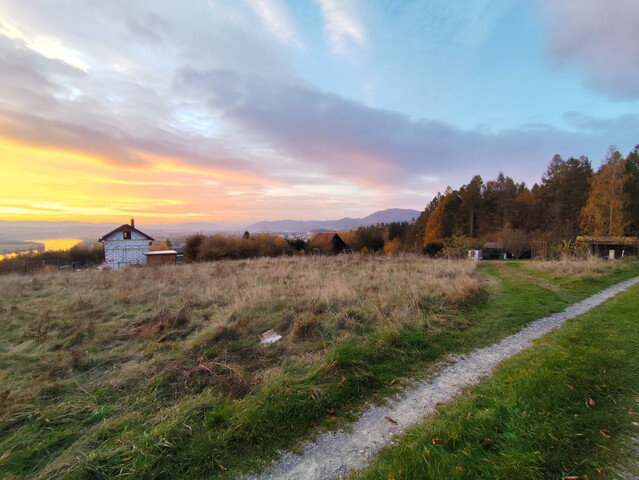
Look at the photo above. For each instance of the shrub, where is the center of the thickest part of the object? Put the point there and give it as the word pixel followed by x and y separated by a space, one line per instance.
pixel 192 245
pixel 433 248
pixel 456 246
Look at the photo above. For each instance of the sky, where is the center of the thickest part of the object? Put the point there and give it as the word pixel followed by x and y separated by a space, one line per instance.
pixel 235 111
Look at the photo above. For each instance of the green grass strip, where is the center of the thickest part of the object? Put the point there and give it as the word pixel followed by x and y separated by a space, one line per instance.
pixel 562 409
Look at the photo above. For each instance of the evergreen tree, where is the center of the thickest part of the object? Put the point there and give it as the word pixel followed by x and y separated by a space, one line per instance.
pixel 564 191
pixel 632 190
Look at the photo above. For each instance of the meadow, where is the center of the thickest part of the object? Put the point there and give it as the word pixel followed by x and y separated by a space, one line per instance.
pixel 158 372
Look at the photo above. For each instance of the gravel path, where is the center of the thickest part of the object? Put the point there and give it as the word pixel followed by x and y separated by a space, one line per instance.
pixel 334 454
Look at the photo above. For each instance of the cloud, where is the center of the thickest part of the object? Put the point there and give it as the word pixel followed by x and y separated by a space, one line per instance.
pixel 600 39
pixel 275 19
pixel 341 24
pixel 330 135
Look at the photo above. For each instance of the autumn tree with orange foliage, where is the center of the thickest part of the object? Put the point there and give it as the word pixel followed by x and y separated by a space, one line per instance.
pixel 605 212
pixel 393 246
pixel 159 247
pixel 435 225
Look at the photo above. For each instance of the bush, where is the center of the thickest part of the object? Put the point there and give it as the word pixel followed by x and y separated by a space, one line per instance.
pixel 456 246
pixel 192 245
pixel 433 248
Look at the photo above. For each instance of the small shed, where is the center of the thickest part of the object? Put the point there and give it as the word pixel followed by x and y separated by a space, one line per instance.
pixel 161 257
pixel 602 245
pixel 124 246
pixel 327 243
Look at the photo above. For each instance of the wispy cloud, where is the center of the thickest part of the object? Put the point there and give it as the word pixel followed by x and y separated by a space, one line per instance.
pixel 599 39
pixel 342 25
pixel 275 19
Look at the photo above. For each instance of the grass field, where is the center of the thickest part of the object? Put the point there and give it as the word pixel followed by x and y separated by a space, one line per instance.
pixel 159 372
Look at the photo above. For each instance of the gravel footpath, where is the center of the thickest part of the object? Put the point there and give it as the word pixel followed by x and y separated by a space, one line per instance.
pixel 334 454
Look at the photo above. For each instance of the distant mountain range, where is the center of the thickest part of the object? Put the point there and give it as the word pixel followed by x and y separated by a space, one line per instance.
pixel 13 235
pixel 298 226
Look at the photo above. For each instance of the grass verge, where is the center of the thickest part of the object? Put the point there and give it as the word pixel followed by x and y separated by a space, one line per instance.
pixel 563 409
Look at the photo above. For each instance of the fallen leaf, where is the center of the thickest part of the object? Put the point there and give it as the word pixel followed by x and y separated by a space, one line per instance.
pixel 392 382
pixel 600 447
pixel 553 437
pixel 435 441
pixel 454 361
pixel 591 401
pixel 603 432
pixel 597 387
pixel 468 393
pixel 468 416
pixel 291 425
pixel 332 411
pixel 222 467
pixel 390 419
pixel 126 459
pixel 572 477
pixel 600 471
pixel 537 452
pixel 571 388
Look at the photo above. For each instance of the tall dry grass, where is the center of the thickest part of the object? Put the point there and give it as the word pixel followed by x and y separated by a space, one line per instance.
pixel 131 324
pixel 587 265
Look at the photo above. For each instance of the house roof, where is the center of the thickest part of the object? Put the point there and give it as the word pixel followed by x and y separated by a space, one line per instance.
pixel 608 240
pixel 161 252
pixel 125 228
pixel 324 240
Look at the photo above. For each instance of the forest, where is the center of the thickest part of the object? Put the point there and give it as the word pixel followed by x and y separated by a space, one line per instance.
pixel 570 200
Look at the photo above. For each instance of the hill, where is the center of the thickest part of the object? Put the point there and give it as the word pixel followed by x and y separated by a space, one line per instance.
pixel 347 223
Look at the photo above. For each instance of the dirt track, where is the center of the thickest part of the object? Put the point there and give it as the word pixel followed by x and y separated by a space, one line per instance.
pixel 334 454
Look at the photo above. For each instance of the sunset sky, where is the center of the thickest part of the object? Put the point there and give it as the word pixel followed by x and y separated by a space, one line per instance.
pixel 233 111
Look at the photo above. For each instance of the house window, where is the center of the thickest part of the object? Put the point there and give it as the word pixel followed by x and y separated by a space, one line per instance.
pixel 126 235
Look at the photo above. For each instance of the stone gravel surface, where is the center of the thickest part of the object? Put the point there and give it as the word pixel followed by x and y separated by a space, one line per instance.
pixel 334 454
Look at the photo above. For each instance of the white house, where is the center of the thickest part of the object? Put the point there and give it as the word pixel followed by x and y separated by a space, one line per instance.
pixel 126 245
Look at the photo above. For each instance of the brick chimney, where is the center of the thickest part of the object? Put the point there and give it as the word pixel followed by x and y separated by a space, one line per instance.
pixel 132 223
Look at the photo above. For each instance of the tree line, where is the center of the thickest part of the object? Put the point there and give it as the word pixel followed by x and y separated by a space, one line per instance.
pixel 499 216
pixel 571 199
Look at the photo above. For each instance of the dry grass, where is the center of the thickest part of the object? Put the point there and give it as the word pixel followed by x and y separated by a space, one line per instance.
pixel 137 319
pixel 588 265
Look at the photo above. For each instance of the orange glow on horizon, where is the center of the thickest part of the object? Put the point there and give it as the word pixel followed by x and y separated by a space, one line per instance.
pixel 58 243
pixel 39 184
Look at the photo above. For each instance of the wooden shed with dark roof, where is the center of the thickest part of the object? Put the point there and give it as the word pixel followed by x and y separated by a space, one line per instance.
pixel 327 243
pixel 126 245
pixel 602 245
